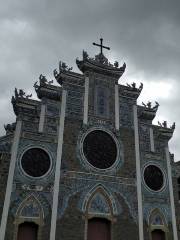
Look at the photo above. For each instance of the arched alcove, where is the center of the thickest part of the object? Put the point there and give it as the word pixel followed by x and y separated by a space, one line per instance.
pixel 27 231
pixel 99 201
pixel 157 226
pixel 29 217
pixel 99 212
pixel 30 208
pixel 99 204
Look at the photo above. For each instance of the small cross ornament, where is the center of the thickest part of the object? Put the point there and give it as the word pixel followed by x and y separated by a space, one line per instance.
pixel 101 45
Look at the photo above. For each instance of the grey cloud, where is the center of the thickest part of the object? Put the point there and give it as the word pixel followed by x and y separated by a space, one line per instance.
pixel 37 34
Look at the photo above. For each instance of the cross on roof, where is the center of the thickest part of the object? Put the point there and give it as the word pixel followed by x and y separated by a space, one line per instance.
pixel 101 45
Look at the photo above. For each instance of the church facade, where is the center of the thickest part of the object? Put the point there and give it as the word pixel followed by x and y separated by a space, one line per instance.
pixel 85 161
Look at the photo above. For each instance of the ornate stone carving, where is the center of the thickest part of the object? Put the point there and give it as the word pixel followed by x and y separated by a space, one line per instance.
pixel 85 55
pixel 99 204
pixel 116 64
pixel 21 94
pixel 133 87
pixel 156 220
pixel 10 127
pixel 164 125
pixel 148 106
pixel 100 64
pixel 31 209
pixel 38 188
pixel 42 79
pixel 63 67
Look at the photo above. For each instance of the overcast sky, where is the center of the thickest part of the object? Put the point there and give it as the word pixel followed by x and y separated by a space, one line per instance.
pixel 145 34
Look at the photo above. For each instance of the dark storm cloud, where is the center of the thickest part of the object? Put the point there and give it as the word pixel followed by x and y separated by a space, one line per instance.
pixel 35 35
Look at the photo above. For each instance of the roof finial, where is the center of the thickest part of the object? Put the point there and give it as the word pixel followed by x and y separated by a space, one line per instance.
pixel 101 45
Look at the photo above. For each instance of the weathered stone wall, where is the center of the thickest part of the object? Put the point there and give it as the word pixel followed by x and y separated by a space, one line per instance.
pixel 113 191
pixel 4 170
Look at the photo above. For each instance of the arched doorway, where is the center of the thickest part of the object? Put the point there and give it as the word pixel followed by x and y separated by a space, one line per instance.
pixel 99 229
pixel 27 231
pixel 158 234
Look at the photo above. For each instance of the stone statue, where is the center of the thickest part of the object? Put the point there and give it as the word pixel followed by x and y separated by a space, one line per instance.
pixel 148 105
pixel 63 67
pixel 36 86
pixel 140 87
pixel 50 82
pixel 164 124
pixel 173 126
pixel 42 79
pixel 10 127
pixel 124 66
pixel 85 55
pixel 28 96
pixel 16 93
pixel 116 64
pixel 55 72
pixel 156 106
pixel 159 124
pixel 21 93
pixel 133 85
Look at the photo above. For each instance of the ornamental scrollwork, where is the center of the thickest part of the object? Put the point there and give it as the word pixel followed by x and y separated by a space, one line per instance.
pixel 133 87
pixel 165 125
pixel 149 106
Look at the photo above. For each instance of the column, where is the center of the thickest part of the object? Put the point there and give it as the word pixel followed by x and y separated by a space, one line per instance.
pixel 58 168
pixel 117 107
pixel 151 139
pixel 12 165
pixel 138 173
pixel 42 118
pixel 86 96
pixel 171 194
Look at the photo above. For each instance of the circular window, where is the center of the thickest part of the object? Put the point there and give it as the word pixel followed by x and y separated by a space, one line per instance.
pixel 35 162
pixel 153 177
pixel 100 149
